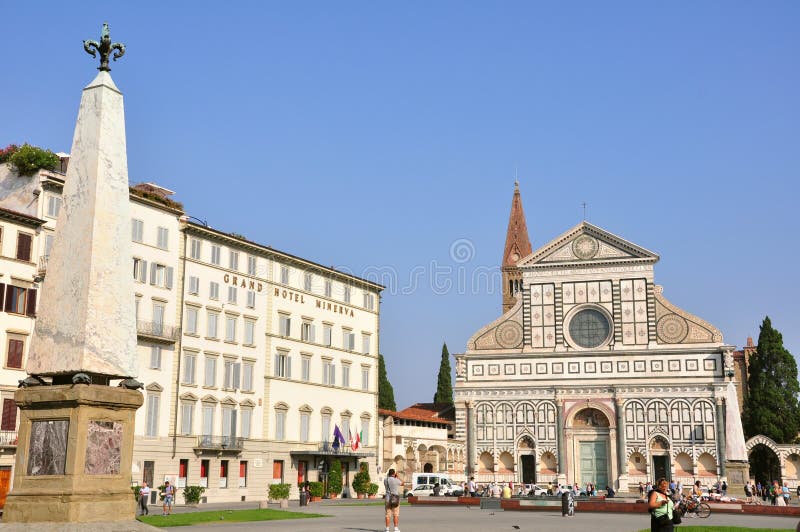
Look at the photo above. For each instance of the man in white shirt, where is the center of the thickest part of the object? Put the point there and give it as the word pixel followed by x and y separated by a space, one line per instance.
pixel 144 494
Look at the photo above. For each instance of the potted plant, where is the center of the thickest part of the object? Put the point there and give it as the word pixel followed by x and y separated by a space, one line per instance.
pixel 372 490
pixel 361 480
pixel 192 494
pixel 280 493
pixel 335 479
pixel 316 491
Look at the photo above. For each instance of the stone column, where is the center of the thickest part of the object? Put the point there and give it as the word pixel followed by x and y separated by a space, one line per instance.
pixel 471 447
pixel 560 436
pixel 622 462
pixel 721 436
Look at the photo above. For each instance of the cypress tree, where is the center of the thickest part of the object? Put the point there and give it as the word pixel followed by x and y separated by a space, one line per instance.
pixel 444 388
pixel 385 390
pixel 771 407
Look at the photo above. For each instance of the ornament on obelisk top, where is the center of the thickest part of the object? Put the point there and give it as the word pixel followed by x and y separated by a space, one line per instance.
pixel 86 321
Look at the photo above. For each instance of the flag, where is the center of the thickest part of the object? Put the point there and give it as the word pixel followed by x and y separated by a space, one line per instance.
pixel 354 442
pixel 338 438
pixel 358 441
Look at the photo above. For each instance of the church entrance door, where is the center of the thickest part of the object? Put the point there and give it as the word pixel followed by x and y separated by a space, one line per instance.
pixel 528 469
pixel 594 463
pixel 661 467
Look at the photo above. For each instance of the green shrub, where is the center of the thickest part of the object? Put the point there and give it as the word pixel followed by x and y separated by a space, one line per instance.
pixel 135 490
pixel 361 480
pixel 27 159
pixel 192 494
pixel 335 478
pixel 279 491
pixel 316 489
pixel 373 489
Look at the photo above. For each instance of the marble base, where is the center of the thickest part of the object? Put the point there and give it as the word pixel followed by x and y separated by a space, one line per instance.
pixel 622 483
pixel 737 474
pixel 105 526
pixel 74 455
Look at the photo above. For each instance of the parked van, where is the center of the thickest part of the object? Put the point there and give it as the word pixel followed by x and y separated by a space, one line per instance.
pixel 434 478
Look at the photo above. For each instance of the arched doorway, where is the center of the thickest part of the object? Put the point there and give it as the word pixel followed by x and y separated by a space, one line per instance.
pixel 765 465
pixel 427 468
pixel 591 448
pixel 659 454
pixel 527 460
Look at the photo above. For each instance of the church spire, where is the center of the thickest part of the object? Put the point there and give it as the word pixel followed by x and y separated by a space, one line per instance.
pixel 518 245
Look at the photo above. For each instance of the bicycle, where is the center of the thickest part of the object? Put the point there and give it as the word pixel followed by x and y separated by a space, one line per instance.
pixel 699 508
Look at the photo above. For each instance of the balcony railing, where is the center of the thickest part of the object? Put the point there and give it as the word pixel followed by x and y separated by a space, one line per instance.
pixel 158 331
pixel 8 438
pixel 327 449
pixel 220 443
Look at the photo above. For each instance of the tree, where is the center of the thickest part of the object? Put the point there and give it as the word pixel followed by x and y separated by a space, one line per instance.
pixel 335 478
pixel 444 388
pixel 385 390
pixel 771 407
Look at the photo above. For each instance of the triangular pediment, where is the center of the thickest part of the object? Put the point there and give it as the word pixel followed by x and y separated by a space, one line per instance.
pixel 586 244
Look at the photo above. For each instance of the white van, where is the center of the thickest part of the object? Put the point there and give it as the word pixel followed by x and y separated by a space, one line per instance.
pixel 434 478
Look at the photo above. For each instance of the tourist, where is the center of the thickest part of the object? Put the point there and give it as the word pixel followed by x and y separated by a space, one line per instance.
pixel 724 488
pixel 473 489
pixel 748 492
pixel 610 492
pixel 169 494
pixel 436 489
pixel 144 494
pixel 679 489
pixel 392 486
pixel 567 503
pixel 785 493
pixel 495 490
pixel 660 506
pixel 506 491
pixel 641 490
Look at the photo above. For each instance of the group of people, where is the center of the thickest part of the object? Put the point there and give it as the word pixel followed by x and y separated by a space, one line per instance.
pixel 168 491
pixel 775 493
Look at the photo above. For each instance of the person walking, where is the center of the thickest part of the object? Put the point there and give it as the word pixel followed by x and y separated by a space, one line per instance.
pixel 392 485
pixel 660 506
pixel 169 495
pixel 144 494
pixel 472 487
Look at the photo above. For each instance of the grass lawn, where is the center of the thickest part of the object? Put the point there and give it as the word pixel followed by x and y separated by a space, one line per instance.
pixel 682 528
pixel 228 516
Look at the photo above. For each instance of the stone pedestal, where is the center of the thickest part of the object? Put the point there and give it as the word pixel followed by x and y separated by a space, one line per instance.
pixel 738 472
pixel 622 483
pixel 74 455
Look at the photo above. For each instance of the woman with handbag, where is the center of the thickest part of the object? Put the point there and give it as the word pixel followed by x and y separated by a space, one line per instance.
pixel 393 486
pixel 660 506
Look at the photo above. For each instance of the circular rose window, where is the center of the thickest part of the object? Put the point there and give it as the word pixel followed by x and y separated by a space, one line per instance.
pixel 589 328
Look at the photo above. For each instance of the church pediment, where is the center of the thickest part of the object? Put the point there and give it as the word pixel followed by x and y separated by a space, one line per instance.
pixel 586 244
pixel 505 333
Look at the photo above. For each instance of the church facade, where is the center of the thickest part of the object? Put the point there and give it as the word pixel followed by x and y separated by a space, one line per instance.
pixel 591 374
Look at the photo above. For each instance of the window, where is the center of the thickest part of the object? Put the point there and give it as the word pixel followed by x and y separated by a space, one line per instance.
pixel 9 420
pixel 16 347
pixel 48 243
pixel 53 206
pixel 139 270
pixel 346 426
pixel 307 282
pixel 204 467
pixel 228 424
pixel 284 325
pixel 223 473
pixel 183 471
pixel 284 275
pixel 187 414
pixel 327 334
pixel 213 290
pixel 233 292
pixel 196 248
pixel 369 301
pixel 216 251
pixel 328 288
pixel 280 424
pixel 194 285
pixel 158 318
pixel 304 418
pixel 251 299
pixel 161 275
pixel 249 332
pixel 326 427
pixel 348 340
pixel 328 372
pixel 230 328
pixel 232 375
pixel 247 417
pixel 365 338
pixel 191 320
pixel 365 379
pixel 163 238
pixel 346 375
pixel 211 322
pixel 155 357
pixel 233 262
pixel 20 300
pixel 243 474
pixel 364 431
pixel 24 241
pixel 188 368
pixel 347 294
pixel 210 371
pixel 137 230
pixel 283 365
pixel 151 422
pixel 589 328
pixel 208 419
pixel 251 265
pixel 307 332
pixel 305 368
pixel 247 377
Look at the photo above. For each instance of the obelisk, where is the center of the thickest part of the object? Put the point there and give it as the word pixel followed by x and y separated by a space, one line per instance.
pixel 75 445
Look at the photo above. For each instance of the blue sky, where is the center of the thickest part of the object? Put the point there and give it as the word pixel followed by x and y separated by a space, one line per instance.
pixel 375 135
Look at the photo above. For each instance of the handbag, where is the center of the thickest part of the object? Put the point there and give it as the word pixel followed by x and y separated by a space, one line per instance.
pixel 394 500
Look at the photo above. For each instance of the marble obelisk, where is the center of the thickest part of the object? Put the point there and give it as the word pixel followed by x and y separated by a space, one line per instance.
pixel 737 464
pixel 75 444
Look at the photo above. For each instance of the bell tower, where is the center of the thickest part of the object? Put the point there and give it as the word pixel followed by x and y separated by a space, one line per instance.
pixel 518 246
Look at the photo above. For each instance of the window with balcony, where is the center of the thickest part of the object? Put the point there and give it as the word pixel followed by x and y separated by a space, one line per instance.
pixel 325 434
pixel 304 422
pixel 208 420
pixel 247 420
pixel 364 431
pixel 187 415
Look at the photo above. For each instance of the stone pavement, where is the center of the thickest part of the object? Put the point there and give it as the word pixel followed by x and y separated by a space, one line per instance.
pixel 459 519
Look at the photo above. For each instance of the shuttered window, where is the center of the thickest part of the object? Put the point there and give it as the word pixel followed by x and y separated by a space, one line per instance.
pixel 9 421
pixel 24 246
pixel 15 348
